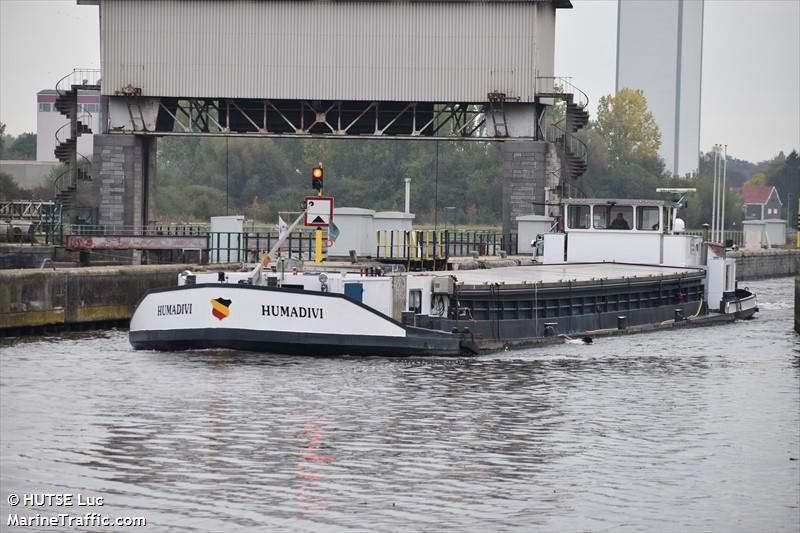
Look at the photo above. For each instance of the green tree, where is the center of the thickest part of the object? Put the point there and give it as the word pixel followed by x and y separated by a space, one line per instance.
pixel 622 143
pixel 9 190
pixel 627 126
pixel 700 203
pixel 23 147
pixel 785 176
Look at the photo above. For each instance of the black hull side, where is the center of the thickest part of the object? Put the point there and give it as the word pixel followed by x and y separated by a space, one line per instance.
pixel 417 342
pixel 587 324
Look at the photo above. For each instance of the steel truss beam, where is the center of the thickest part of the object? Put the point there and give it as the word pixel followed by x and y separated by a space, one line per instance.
pixel 319 118
pixel 24 209
pixel 35 212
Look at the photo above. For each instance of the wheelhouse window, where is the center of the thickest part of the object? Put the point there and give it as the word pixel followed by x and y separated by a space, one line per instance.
pixel 578 216
pixel 613 216
pixel 647 218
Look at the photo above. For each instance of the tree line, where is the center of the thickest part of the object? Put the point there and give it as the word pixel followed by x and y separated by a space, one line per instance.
pixel 21 147
pixel 623 163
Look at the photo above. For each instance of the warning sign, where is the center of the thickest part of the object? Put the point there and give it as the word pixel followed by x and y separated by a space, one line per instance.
pixel 319 211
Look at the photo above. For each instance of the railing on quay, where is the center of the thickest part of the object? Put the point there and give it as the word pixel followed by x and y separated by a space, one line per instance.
pixel 248 247
pixel 151 230
pixel 735 236
pixel 416 245
pixel 410 245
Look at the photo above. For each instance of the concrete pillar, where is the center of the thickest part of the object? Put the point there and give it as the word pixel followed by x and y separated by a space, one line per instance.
pixel 125 165
pixel 528 167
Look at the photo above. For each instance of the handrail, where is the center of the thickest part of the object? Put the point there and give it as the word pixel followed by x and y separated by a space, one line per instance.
pixel 84 76
pixel 572 143
pixel 566 83
pixel 57 186
pixel 57 134
pixel 57 183
pixel 84 115
pixel 189 229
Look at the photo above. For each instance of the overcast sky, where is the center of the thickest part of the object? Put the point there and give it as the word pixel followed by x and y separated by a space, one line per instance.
pixel 751 64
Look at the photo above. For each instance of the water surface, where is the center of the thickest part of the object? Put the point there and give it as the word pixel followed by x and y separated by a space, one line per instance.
pixel 692 430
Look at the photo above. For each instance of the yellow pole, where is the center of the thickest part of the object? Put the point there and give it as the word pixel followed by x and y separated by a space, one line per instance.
pixel 318 246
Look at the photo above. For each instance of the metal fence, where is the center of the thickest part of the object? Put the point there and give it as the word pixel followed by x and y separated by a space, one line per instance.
pixel 735 236
pixel 231 247
pixel 413 245
pixel 428 244
pixel 151 230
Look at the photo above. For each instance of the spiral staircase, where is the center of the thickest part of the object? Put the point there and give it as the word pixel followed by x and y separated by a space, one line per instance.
pixel 573 150
pixel 78 166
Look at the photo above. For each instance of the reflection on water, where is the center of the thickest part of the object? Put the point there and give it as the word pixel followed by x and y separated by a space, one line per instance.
pixel 692 430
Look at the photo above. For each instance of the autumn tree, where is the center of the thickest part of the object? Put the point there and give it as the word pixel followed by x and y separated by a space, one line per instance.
pixel 623 141
pixel 627 126
pixel 758 179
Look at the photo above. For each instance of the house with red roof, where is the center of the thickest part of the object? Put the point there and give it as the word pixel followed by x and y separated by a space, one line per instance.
pixel 761 202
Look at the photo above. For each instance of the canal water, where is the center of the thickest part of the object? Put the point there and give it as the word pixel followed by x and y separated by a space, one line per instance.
pixel 693 430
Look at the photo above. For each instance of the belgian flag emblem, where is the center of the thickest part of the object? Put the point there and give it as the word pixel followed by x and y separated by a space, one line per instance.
pixel 220 307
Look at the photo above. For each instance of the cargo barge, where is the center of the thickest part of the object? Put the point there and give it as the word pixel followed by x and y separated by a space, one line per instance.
pixel 588 277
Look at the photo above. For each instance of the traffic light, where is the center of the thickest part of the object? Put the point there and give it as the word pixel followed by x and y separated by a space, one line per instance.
pixel 316 178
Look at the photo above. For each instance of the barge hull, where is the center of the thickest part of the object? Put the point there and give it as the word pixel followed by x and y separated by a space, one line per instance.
pixel 415 343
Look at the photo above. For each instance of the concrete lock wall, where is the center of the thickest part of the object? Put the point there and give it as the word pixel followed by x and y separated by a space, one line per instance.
pixel 766 263
pixel 31 298
pixel 797 304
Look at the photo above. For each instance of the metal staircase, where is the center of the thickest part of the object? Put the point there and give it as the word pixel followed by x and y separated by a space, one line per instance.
pixel 573 150
pixel 78 166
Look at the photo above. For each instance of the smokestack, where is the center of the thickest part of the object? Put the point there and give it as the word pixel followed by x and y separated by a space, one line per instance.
pixel 408 195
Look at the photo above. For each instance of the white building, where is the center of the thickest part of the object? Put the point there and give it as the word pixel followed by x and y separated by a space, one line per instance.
pixel 660 51
pixel 49 120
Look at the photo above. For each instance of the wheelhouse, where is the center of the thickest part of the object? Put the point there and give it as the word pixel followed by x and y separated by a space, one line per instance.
pixel 649 216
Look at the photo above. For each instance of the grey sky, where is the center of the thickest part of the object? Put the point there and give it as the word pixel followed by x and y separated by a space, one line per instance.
pixel 751 69
pixel 751 64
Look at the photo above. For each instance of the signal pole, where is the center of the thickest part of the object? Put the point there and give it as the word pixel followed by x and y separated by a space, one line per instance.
pixel 316 183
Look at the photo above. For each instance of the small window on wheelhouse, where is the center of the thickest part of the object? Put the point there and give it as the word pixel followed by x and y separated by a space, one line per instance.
pixel 613 216
pixel 578 216
pixel 647 218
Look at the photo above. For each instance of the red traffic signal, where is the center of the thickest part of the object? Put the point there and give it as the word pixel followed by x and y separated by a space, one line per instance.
pixel 316 178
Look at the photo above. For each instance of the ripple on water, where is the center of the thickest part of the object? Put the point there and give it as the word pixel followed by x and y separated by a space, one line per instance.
pixel 689 430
